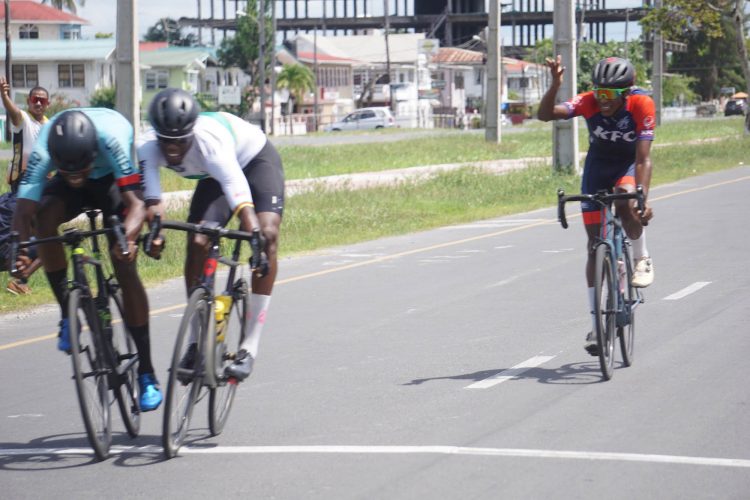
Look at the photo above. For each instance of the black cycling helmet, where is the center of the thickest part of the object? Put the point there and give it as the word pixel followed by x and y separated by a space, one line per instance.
pixel 172 113
pixel 72 141
pixel 613 73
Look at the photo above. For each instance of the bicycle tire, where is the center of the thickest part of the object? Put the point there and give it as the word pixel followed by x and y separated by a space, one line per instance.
pixel 221 397
pixel 183 387
pixel 604 310
pixel 126 385
pixel 89 372
pixel 626 332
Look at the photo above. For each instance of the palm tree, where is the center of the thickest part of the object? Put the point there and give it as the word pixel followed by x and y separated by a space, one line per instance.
pixel 70 5
pixel 298 79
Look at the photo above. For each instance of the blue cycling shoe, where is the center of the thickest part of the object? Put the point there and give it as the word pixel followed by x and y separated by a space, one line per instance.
pixel 151 396
pixel 63 336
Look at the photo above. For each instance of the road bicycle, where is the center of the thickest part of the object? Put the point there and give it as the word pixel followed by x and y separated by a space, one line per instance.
pixel 104 356
pixel 216 324
pixel 615 298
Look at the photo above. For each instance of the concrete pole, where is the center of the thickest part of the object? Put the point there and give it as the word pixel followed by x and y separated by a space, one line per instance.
pixel 656 78
pixel 492 132
pixel 128 89
pixel 262 63
pixel 565 132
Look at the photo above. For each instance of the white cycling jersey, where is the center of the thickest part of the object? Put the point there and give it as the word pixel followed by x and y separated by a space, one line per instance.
pixel 223 144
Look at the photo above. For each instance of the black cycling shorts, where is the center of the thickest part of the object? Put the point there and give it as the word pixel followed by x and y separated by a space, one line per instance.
pixel 102 193
pixel 264 174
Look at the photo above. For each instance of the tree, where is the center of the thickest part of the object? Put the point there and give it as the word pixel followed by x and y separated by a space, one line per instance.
pixel 243 50
pixel 298 79
pixel 66 4
pixel 707 22
pixel 168 30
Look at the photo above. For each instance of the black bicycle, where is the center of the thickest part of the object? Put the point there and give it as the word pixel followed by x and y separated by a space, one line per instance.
pixel 615 298
pixel 216 325
pixel 104 355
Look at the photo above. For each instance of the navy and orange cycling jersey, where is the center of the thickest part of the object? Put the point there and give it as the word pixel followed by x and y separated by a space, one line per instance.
pixel 612 139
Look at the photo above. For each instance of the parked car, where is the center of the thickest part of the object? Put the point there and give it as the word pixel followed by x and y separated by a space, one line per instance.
pixel 364 119
pixel 735 107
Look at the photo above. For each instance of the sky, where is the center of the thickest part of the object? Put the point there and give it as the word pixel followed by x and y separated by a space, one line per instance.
pixel 102 13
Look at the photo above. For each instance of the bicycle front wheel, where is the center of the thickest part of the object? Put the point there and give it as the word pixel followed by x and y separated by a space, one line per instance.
pixel 185 381
pixel 90 372
pixel 226 344
pixel 605 301
pixel 126 357
pixel 626 332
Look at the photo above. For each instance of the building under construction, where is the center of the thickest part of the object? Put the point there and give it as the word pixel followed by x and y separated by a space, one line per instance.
pixel 453 22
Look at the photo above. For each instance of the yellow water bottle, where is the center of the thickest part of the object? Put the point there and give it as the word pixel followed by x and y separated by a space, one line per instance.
pixel 221 309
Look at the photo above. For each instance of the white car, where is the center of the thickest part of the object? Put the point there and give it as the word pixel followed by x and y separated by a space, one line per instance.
pixel 364 119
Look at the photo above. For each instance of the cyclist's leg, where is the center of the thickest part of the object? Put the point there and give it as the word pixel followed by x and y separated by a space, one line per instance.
pixel 265 175
pixel 58 205
pixel 207 205
pixel 590 184
pixel 135 300
pixel 631 222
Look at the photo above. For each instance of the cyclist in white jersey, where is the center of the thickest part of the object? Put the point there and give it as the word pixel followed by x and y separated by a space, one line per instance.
pixel 239 172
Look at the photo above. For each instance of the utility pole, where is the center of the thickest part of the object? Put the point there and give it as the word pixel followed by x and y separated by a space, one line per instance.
pixel 316 88
pixel 565 132
pixel 127 95
pixel 262 64
pixel 273 69
pixel 492 132
pixel 8 74
pixel 388 53
pixel 656 78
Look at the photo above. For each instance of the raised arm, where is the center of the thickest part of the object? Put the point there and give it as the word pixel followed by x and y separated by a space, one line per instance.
pixel 16 118
pixel 548 110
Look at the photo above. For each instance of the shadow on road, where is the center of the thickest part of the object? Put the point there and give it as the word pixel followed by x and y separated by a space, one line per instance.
pixel 570 374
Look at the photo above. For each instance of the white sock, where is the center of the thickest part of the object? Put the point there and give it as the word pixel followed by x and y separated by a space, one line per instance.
pixel 591 306
pixel 639 247
pixel 256 318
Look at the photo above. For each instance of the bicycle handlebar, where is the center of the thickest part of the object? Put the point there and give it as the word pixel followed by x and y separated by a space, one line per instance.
pixel 602 198
pixel 258 259
pixel 69 237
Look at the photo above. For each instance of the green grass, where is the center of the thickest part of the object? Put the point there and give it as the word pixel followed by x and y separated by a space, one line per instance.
pixel 322 219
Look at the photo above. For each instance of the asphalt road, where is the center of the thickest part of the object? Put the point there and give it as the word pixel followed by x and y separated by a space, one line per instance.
pixel 443 364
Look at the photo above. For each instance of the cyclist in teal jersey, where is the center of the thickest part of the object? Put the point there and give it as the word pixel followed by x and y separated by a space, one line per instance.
pixel 91 150
pixel 239 173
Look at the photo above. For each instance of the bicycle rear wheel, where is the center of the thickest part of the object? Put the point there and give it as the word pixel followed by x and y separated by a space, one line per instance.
pixel 605 300
pixel 126 390
pixel 225 348
pixel 630 297
pixel 184 384
pixel 90 372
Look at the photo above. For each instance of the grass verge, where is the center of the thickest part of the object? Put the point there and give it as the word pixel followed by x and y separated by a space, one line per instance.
pixel 322 218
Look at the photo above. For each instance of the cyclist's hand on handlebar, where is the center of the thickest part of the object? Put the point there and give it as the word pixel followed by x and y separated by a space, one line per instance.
pixel 117 253
pixel 646 215
pixel 259 259
pixel 23 262
pixel 156 247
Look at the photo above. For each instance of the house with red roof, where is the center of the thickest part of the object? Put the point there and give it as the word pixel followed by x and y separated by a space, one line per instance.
pixel 35 21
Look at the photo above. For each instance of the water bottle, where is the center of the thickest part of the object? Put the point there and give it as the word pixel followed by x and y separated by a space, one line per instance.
pixel 221 309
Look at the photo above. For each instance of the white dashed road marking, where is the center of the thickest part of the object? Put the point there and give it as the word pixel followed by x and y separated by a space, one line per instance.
pixel 510 373
pixel 687 290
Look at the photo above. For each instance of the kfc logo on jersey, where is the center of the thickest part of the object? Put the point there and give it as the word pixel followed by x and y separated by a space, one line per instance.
pixel 624 123
pixel 648 122
pixel 613 135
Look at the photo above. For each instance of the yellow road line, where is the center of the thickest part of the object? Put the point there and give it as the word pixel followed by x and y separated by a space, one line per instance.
pixel 401 254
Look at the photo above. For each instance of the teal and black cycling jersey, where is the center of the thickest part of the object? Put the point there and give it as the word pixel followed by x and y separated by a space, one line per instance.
pixel 114 155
